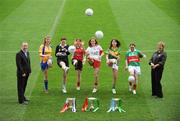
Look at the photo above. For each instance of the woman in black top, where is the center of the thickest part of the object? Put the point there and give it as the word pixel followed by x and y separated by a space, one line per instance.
pixel 62 60
pixel 157 63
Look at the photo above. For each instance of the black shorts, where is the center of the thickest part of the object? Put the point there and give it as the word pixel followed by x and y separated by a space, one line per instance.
pixel 79 65
pixel 63 60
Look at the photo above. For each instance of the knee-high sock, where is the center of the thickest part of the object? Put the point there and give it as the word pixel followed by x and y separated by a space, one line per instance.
pixel 46 84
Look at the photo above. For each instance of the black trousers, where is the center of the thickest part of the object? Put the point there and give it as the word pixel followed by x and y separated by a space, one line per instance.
pixel 21 87
pixel 156 75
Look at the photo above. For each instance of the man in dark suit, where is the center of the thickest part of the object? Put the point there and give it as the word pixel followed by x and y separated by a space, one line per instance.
pixel 23 71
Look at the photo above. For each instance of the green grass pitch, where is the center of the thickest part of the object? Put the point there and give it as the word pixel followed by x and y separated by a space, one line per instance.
pixel 143 21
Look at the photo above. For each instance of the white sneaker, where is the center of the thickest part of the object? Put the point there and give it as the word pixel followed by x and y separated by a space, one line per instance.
pixel 134 92
pixel 114 91
pixel 46 91
pixel 94 90
pixel 64 90
pixel 78 88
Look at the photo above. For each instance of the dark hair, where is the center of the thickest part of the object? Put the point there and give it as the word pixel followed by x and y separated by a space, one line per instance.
pixel 90 41
pixel 117 41
pixel 78 39
pixel 63 38
pixel 132 44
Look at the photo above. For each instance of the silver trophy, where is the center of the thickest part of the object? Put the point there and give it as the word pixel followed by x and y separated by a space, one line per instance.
pixel 115 105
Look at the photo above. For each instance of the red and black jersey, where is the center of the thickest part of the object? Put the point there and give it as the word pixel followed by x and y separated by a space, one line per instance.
pixel 79 54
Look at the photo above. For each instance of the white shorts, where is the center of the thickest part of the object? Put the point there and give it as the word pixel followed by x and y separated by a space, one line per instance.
pixel 115 66
pixel 115 63
pixel 134 69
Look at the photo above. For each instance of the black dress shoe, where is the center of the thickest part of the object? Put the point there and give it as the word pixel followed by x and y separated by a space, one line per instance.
pixel 24 103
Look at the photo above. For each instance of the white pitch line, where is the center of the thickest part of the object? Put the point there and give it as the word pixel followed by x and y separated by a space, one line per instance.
pixel 12 51
pixel 57 19
pixel 52 31
pixel 155 50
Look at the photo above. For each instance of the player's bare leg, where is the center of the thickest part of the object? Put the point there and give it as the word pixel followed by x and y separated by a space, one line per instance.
pixel 78 79
pixel 96 74
pixel 115 74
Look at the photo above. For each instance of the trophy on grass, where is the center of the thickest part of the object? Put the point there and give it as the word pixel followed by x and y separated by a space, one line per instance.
pixel 90 104
pixel 115 105
pixel 69 104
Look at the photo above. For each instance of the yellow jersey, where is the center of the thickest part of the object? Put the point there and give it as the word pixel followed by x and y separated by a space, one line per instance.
pixel 47 51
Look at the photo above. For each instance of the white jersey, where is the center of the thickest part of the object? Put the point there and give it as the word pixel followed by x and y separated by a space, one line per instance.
pixel 95 52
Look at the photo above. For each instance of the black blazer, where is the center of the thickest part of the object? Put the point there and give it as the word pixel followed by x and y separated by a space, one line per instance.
pixel 23 63
pixel 158 58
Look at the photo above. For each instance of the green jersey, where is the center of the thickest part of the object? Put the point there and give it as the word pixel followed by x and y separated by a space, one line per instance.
pixel 133 58
pixel 113 53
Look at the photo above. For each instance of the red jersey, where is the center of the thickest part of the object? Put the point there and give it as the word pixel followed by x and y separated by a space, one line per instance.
pixel 79 54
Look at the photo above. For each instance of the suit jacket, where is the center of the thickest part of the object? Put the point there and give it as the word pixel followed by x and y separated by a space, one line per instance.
pixel 158 58
pixel 23 63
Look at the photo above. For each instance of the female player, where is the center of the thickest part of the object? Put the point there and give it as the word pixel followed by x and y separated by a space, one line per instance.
pixel 94 53
pixel 45 53
pixel 133 66
pixel 78 59
pixel 112 60
pixel 62 60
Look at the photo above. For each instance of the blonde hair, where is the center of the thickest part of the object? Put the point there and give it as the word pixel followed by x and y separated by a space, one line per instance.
pixel 45 38
pixel 81 42
pixel 162 44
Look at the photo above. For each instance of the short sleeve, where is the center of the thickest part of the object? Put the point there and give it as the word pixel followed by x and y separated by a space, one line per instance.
pixel 140 54
pixel 99 47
